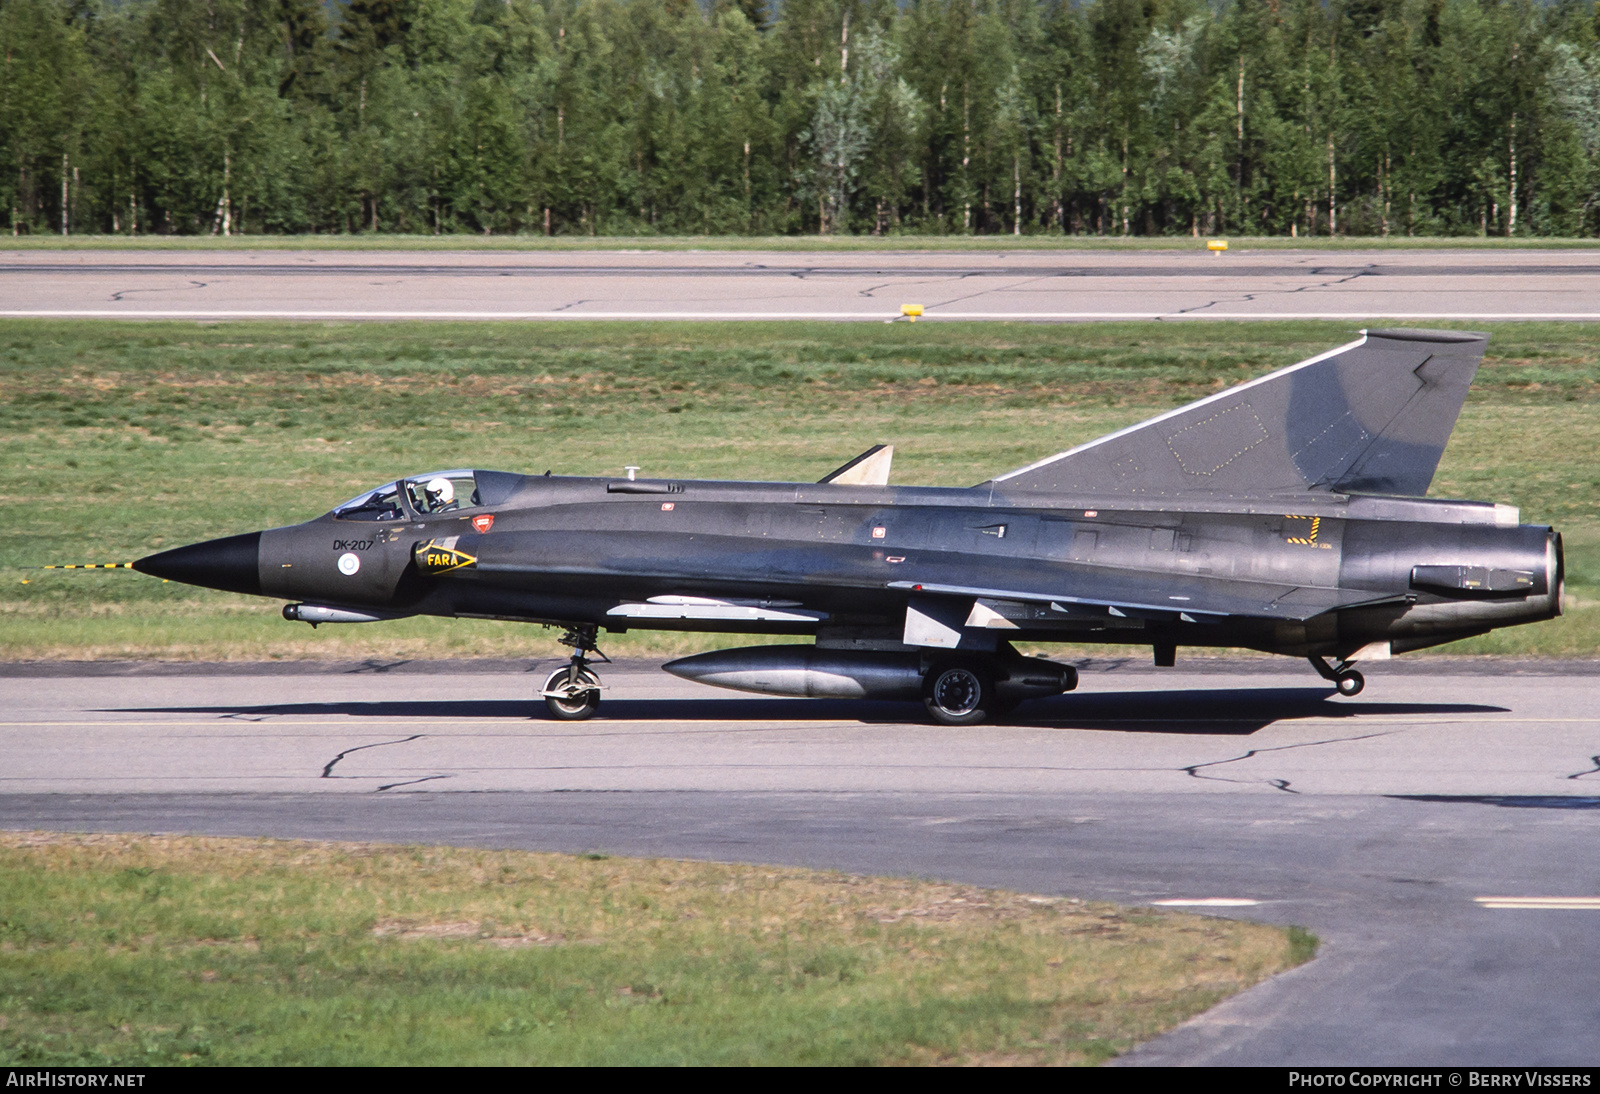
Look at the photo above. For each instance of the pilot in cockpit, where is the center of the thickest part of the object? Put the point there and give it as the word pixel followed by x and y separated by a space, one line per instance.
pixel 441 494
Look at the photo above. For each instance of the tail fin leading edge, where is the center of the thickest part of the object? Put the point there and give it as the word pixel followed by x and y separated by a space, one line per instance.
pixel 1371 417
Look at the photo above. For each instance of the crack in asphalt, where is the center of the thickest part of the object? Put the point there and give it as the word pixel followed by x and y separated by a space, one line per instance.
pixel 121 293
pixel 1193 770
pixel 987 292
pixel 1250 297
pixel 327 772
pixel 908 284
pixel 1595 770
pixel 409 782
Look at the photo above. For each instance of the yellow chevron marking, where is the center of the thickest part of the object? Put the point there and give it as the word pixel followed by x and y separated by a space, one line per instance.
pixel 436 558
pixel 1311 539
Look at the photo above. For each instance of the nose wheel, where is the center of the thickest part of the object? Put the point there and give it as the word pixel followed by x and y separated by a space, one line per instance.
pixel 572 692
pixel 1347 680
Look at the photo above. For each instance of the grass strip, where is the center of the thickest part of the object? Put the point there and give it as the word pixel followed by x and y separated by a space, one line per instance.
pixel 123 950
pixel 121 438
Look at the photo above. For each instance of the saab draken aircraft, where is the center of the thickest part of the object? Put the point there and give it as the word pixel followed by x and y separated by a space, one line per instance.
pixel 1284 515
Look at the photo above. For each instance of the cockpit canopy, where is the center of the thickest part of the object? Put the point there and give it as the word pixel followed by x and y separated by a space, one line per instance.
pixel 443 491
pixel 430 494
pixel 380 504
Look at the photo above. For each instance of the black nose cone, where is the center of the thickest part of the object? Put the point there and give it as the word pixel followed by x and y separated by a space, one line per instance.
pixel 232 564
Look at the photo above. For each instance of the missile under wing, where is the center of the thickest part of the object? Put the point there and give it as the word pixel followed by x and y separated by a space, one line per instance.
pixel 1286 515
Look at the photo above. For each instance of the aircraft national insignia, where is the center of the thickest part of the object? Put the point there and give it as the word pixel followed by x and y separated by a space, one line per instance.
pixel 438 556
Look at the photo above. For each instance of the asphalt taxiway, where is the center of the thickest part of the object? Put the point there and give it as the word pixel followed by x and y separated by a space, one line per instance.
pixel 1358 286
pixel 1437 832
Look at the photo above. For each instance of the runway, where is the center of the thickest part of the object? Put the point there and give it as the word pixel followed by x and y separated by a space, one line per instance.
pixel 1043 286
pixel 1383 823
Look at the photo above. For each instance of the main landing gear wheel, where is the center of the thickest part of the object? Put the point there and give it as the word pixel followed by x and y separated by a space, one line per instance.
pixel 572 692
pixel 1350 682
pixel 958 695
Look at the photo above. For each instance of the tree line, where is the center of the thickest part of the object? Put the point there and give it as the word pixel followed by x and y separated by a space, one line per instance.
pixel 638 117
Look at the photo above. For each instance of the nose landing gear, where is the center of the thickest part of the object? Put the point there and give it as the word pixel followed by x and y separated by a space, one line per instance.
pixel 572 692
pixel 1342 676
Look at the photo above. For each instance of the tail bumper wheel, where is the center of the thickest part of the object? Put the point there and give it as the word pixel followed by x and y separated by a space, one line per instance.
pixel 572 693
pixel 958 695
pixel 1345 679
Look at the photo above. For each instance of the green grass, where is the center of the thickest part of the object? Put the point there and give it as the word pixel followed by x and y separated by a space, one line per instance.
pixel 139 951
pixel 123 438
pixel 1302 945
pixel 808 243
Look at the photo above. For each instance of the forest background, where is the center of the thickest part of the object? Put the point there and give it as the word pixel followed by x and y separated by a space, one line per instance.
pixel 643 117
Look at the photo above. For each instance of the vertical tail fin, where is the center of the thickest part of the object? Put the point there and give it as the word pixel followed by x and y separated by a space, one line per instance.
pixel 1371 417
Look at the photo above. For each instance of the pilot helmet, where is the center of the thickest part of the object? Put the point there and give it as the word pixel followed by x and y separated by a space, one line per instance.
pixel 440 491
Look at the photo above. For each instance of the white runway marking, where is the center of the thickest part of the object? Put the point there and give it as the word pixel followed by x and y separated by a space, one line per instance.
pixel 1208 902
pixel 1550 903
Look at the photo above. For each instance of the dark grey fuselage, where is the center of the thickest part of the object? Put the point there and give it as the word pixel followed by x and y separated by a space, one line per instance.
pixel 846 561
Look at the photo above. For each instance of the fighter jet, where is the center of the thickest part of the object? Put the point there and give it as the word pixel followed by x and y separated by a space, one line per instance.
pixel 1284 515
